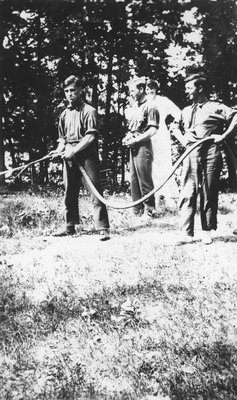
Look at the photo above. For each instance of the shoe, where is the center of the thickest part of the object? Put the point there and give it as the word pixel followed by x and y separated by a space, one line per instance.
pixel 206 237
pixel 66 232
pixel 139 213
pixel 145 218
pixel 151 212
pixel 104 235
pixel 183 239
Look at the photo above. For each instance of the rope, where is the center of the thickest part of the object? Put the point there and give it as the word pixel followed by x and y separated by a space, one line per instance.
pixel 156 189
pixel 10 171
pixel 135 203
pixel 31 163
pixel 232 156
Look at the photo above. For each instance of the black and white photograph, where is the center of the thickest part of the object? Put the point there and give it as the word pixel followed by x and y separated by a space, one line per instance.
pixel 118 199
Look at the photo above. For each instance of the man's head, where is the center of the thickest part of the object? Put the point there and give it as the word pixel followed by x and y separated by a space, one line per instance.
pixel 196 86
pixel 72 89
pixel 152 88
pixel 137 89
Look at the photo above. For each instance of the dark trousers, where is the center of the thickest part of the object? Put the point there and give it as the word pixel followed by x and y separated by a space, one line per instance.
pixel 72 182
pixel 201 174
pixel 140 169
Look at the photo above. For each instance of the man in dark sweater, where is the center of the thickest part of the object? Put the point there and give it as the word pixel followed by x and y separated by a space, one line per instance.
pixel 78 132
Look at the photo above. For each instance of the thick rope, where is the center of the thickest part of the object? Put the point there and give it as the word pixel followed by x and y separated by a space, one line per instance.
pixel 22 168
pixel 141 200
pixel 232 156
pixel 156 189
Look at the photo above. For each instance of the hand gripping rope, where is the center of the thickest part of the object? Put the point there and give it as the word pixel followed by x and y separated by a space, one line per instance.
pixel 141 200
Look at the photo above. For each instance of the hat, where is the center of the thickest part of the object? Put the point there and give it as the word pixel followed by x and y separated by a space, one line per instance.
pixel 194 76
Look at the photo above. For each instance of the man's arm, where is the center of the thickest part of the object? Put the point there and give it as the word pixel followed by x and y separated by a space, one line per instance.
pixel 176 132
pixel 71 152
pixel 58 151
pixel 171 108
pixel 153 119
pixel 141 137
pixel 61 140
pixel 229 131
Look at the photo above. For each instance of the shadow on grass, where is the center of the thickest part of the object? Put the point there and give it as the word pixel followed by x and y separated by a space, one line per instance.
pixel 143 227
pixel 221 238
pixel 203 372
pixel 48 315
pixel 183 372
pixel 226 238
pixel 100 308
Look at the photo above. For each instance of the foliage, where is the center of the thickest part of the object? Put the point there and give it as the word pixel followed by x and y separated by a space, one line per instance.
pixel 105 43
pixel 218 23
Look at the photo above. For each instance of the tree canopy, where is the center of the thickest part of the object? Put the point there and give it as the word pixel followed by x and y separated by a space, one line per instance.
pixel 105 43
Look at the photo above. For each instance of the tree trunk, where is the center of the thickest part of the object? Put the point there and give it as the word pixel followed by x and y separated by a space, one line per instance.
pixel 2 164
pixel 95 92
pixel 43 174
pixel 105 150
pixel 7 133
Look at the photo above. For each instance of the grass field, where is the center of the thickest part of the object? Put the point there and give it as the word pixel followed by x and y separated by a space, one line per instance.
pixel 135 317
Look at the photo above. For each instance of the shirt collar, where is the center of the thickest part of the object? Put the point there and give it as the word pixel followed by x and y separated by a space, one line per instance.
pixel 76 106
pixel 200 105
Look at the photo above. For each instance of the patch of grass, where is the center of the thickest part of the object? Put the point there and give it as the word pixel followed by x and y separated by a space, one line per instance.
pixel 125 319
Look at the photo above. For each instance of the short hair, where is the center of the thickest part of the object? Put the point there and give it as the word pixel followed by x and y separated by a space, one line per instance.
pixel 72 80
pixel 199 79
pixel 194 76
pixel 138 82
pixel 141 85
pixel 152 84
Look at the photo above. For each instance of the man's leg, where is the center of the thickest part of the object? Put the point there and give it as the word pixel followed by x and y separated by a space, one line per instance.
pixel 72 180
pixel 135 186
pixel 144 168
pixel 211 169
pixel 72 183
pixel 100 211
pixel 188 194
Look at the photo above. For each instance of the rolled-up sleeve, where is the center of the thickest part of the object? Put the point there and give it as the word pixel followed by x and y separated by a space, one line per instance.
pixel 180 123
pixel 227 112
pixel 61 130
pixel 91 122
pixel 153 117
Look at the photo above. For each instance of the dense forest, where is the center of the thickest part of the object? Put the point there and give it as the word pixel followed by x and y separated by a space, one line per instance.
pixel 106 43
